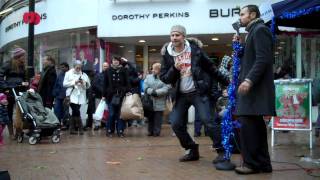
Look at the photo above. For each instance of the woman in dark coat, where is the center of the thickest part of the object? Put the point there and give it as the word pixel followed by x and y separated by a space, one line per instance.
pixel 116 85
pixel 13 73
pixel 47 81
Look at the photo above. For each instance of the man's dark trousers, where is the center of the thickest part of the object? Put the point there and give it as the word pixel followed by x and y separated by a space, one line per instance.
pixel 254 143
pixel 179 117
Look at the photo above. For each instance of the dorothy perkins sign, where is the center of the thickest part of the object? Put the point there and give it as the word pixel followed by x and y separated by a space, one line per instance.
pixel 150 16
pixel 213 13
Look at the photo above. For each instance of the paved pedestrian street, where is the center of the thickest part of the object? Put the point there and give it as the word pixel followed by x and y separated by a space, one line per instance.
pixel 94 156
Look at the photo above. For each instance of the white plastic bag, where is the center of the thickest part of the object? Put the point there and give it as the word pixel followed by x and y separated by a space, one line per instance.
pixel 191 114
pixel 98 115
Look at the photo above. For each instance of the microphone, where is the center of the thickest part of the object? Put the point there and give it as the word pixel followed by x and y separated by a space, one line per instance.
pixel 236 26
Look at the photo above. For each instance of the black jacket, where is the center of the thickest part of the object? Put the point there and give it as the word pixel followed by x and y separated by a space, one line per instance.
pixel 46 83
pixel 134 79
pixel 257 65
pixel 202 68
pixel 12 78
pixel 116 82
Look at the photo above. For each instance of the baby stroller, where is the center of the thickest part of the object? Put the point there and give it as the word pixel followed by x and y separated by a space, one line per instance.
pixel 37 120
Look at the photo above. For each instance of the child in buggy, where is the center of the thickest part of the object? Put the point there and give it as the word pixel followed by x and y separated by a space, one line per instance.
pixel 37 120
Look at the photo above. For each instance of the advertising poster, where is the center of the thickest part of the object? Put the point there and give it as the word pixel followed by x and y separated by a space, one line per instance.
pixel 292 106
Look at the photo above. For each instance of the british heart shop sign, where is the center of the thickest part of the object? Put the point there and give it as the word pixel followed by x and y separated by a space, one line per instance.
pixel 292 106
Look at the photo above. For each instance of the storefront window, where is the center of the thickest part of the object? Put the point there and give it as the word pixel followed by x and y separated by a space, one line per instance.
pixel 285 55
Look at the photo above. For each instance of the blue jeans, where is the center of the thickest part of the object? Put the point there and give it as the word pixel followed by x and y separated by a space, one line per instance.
pixel 114 120
pixel 58 108
pixel 179 118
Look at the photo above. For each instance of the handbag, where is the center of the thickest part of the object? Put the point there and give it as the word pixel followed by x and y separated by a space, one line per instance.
pixel 147 102
pixel 66 101
pixel 131 108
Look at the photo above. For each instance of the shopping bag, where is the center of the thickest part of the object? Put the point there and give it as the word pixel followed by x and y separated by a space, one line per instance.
pixel 105 114
pixel 131 107
pixel 98 115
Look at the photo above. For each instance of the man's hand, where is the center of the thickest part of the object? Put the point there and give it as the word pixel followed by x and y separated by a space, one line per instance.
pixel 237 38
pixel 244 87
pixel 154 93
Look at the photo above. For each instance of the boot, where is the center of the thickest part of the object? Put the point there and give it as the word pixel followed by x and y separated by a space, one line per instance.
pixel 219 158
pixel 80 125
pixel 192 155
pixel 72 125
pixel 225 165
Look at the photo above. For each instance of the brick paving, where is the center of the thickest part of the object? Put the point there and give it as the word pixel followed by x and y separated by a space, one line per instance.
pixel 138 157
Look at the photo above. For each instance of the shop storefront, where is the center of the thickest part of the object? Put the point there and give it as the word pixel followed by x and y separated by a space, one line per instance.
pixel 65 36
pixel 134 29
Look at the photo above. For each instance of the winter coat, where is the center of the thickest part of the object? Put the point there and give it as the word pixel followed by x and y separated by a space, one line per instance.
pixel 46 83
pixel 11 77
pixel 154 83
pixel 134 79
pixel 76 92
pixel 116 82
pixel 202 69
pixel 257 66
pixel 58 90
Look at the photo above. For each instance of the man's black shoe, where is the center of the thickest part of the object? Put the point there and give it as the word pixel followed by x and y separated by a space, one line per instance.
pixel 192 155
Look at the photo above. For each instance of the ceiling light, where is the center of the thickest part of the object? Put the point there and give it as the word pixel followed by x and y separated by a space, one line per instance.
pixel 153 50
pixel 276 53
pixel 215 39
pixel 142 41
pixel 121 46
pixel 280 47
pixel 130 51
pixel 282 42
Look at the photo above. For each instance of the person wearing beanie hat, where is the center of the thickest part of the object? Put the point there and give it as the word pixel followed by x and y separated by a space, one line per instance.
pixel 178 28
pixel 186 66
pixel 13 72
pixel 18 52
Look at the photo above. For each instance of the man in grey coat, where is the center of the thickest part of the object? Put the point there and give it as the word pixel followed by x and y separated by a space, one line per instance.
pixel 256 94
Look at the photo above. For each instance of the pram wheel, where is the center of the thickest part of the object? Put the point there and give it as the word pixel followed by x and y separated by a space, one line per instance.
pixel 33 140
pixel 55 139
pixel 20 138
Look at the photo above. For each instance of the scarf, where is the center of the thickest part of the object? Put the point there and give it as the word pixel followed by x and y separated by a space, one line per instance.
pixel 253 22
